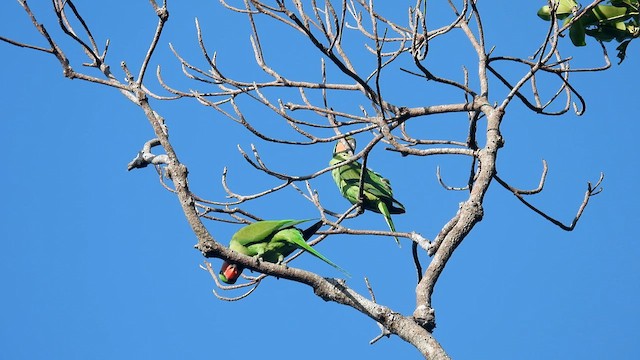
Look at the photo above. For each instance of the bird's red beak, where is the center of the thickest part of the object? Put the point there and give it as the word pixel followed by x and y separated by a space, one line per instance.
pixel 229 273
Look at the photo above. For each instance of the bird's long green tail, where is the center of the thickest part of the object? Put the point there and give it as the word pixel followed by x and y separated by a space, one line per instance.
pixel 303 245
pixel 387 217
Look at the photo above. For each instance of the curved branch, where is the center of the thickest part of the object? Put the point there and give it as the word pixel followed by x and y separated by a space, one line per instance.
pixel 447 187
pixel 537 190
pixel 592 190
pixel 163 17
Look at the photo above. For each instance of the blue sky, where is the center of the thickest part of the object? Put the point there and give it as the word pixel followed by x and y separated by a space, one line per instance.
pixel 98 263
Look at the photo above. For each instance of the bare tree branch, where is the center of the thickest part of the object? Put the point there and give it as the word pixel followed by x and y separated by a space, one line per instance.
pixel 309 110
pixel 592 190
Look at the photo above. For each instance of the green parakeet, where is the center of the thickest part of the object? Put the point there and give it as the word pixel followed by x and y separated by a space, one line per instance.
pixel 377 194
pixel 271 241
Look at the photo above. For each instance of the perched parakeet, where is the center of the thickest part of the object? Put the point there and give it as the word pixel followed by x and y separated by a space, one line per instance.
pixel 377 194
pixel 271 241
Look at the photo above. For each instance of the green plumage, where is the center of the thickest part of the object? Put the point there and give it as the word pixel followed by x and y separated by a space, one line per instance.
pixel 272 241
pixel 377 194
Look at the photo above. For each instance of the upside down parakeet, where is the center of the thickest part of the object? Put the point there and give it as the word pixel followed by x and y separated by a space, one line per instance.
pixel 271 241
pixel 377 195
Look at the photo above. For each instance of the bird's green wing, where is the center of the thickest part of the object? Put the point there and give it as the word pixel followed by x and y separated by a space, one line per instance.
pixel 376 187
pixel 261 230
pixel 381 188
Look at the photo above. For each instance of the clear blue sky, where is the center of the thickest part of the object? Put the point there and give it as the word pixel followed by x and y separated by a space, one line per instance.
pixel 98 263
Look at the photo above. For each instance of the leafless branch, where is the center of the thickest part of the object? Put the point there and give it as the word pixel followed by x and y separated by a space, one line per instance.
pixel 592 190
pixel 384 332
pixel 310 111
pixel 447 186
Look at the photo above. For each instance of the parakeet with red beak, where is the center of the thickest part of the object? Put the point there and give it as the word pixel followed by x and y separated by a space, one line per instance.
pixel 377 195
pixel 271 241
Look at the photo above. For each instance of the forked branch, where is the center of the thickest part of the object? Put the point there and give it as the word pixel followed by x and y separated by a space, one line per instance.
pixel 592 190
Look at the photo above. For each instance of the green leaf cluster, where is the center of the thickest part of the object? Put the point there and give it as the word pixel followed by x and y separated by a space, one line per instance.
pixel 614 20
